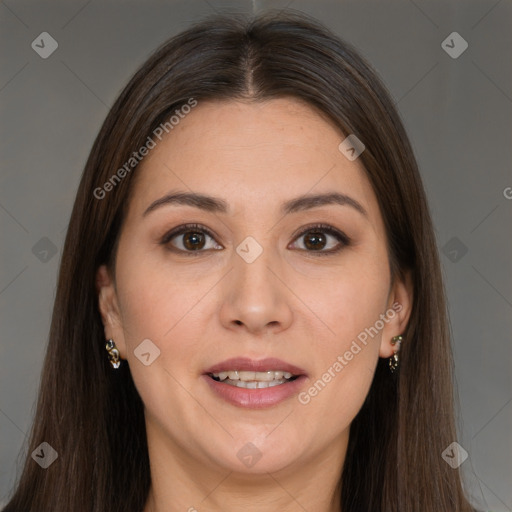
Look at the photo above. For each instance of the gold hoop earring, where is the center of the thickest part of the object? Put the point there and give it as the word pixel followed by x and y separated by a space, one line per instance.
pixel 394 360
pixel 113 354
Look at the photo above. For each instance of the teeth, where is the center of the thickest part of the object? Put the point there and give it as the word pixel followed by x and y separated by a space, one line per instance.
pixel 253 380
pixel 254 384
pixel 259 377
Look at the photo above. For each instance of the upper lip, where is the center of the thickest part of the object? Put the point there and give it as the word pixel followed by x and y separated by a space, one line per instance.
pixel 260 365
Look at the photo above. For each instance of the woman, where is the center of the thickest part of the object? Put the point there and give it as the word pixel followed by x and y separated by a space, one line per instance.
pixel 250 311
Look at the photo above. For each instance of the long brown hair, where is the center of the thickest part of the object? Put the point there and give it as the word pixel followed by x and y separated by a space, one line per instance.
pixel 93 416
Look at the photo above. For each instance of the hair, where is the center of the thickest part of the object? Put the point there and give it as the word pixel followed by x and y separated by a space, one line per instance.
pixel 93 416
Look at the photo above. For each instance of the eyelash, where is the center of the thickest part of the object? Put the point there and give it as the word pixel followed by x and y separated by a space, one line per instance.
pixel 323 228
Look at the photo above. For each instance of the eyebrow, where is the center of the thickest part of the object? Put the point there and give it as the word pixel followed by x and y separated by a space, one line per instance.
pixel 218 205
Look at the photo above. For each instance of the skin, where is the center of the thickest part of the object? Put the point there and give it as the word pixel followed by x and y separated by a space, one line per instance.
pixel 291 303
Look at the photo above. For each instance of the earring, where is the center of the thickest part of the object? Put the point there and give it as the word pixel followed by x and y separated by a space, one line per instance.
pixel 393 360
pixel 113 354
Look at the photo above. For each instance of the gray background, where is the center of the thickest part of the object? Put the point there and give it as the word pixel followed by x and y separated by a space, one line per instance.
pixel 457 113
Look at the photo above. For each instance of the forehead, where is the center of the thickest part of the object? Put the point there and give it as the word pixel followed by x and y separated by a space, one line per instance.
pixel 253 154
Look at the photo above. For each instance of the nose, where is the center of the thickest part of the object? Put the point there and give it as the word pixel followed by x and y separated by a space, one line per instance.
pixel 256 298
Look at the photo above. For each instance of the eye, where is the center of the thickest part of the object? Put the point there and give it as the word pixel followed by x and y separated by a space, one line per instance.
pixel 190 238
pixel 316 239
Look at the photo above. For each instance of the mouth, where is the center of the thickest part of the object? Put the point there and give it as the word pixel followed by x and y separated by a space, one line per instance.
pixel 255 384
pixel 253 380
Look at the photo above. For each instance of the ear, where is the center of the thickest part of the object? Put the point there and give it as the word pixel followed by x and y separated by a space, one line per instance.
pixel 398 312
pixel 109 308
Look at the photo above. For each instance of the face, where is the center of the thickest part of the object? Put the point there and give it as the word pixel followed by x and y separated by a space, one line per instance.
pixel 251 275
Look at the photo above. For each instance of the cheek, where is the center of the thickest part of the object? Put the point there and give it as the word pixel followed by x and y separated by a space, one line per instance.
pixel 169 306
pixel 350 305
pixel 166 308
pixel 347 297
pixel 155 295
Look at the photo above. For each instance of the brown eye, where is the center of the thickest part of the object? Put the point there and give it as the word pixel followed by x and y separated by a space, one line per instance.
pixel 189 238
pixel 322 238
pixel 315 240
pixel 193 240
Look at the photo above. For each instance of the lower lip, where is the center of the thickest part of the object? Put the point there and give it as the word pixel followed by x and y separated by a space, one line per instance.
pixel 255 398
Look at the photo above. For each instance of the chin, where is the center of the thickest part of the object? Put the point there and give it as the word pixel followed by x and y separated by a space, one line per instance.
pixel 260 456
